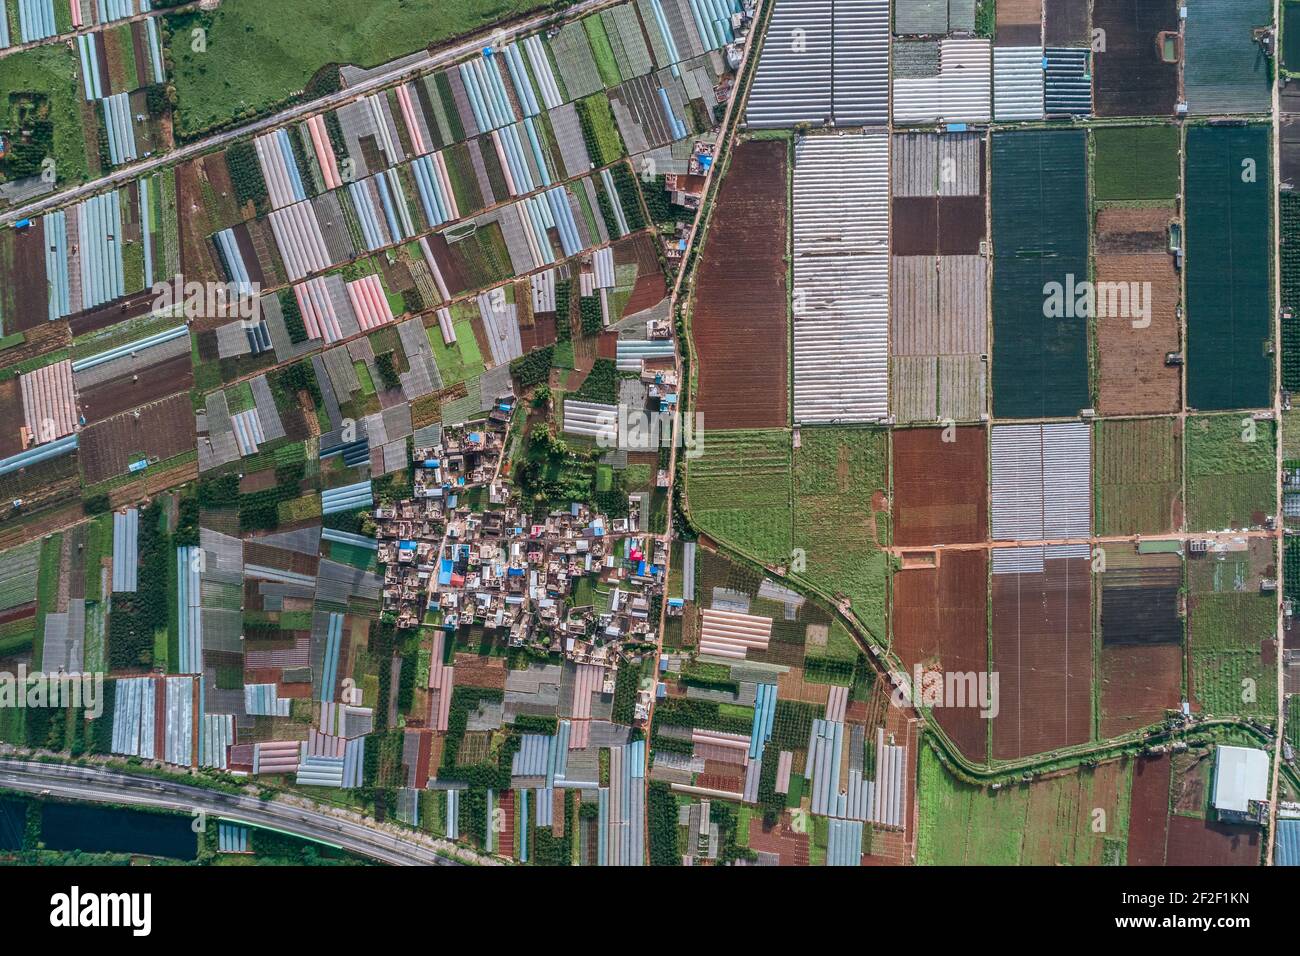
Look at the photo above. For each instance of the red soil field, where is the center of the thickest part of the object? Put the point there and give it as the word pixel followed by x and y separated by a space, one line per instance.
pixel 1019 22
pixel 940 618
pixel 740 320
pixel 121 394
pixel 940 488
pixel 1132 376
pixel 1196 842
pixel 1138 683
pixel 27 305
pixel 1149 811
pixel 11 417
pixel 164 430
pixel 1042 651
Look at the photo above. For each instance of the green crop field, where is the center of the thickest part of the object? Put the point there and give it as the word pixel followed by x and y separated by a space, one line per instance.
pixel 837 471
pixel 1048 822
pixel 1229 621
pixel 291 40
pixel 1138 479
pixel 461 360
pixel 1230 472
pixel 50 73
pixel 739 491
pixel 1136 163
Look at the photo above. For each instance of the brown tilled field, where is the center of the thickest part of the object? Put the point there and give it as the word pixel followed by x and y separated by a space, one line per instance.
pixel 1019 22
pixel 739 319
pixel 197 260
pixel 1197 842
pixel 1148 824
pixel 1139 682
pixel 940 620
pixel 25 303
pixel 164 430
pixel 1042 651
pixel 940 488
pixel 121 394
pixel 11 417
pixel 1132 376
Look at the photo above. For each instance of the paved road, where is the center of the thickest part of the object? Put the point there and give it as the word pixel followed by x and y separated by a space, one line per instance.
pixel 293 113
pixel 101 785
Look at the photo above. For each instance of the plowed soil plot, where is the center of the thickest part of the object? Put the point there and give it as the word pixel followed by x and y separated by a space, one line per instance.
pixel 1042 652
pixel 163 430
pixel 1019 22
pixel 1136 304
pixel 1139 682
pixel 11 417
pixel 24 293
pixel 1131 78
pixel 940 488
pixel 940 620
pixel 1196 842
pixel 1066 22
pixel 1149 812
pixel 121 394
pixel 739 319
pixel 931 225
pixel 197 261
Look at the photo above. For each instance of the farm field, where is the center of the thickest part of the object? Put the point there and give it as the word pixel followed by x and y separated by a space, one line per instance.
pixel 1136 307
pixel 939 620
pixel 739 491
pixel 50 72
pixel 1048 822
pixel 1141 627
pixel 1231 631
pixel 1138 482
pixel 940 486
pixel 1132 79
pixel 213 89
pixel 841 518
pixel 739 321
pixel 1230 472
pixel 1228 267
pixel 1136 163
pixel 1042 648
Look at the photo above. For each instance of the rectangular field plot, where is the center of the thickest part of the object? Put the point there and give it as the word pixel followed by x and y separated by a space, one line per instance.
pixel 841 515
pixel 1136 308
pixel 1138 480
pixel 1132 78
pixel 1148 827
pixel 740 316
pixel 739 491
pixel 1231 630
pixel 1136 163
pixel 940 621
pixel 1229 195
pixel 162 430
pixel 1042 649
pixel 1142 639
pixel 1044 823
pixel 1040 236
pixel 940 487
pixel 1230 472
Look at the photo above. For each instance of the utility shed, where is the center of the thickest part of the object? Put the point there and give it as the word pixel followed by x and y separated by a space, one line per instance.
pixel 1240 778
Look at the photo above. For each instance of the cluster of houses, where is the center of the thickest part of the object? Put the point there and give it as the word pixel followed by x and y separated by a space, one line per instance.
pixel 577 583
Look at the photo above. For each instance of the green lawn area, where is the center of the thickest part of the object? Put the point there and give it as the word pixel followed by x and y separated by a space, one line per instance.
pixel 461 360
pixel 49 71
pixel 291 40
pixel 1136 163
pixel 1231 479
